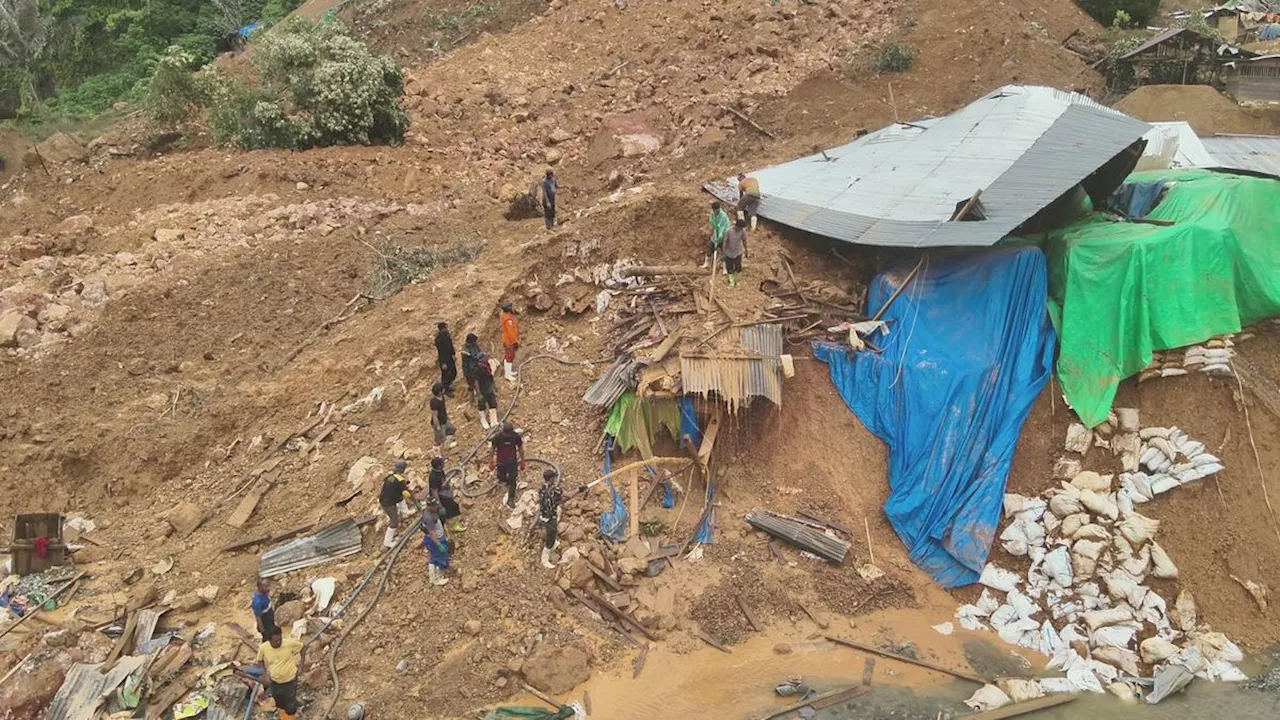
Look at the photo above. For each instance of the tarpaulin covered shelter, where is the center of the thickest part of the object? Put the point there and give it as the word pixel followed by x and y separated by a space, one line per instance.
pixel 1255 153
pixel 1022 147
pixel 970 350
pixel 1173 144
pixel 1120 291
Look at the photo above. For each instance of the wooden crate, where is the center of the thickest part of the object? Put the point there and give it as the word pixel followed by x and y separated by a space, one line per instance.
pixel 26 529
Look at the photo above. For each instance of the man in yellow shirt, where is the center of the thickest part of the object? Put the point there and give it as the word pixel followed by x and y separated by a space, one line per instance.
pixel 748 198
pixel 280 660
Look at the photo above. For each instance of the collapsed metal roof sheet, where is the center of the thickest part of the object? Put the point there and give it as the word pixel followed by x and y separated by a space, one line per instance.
pixel 1173 144
pixel 1022 146
pixel 738 378
pixel 619 378
pixel 81 695
pixel 330 543
pixel 1257 153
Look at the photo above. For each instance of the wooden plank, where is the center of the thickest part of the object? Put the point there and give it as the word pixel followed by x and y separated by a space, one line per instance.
pixel 606 579
pixel 130 627
pixel 260 539
pixel 712 642
pixel 829 523
pixel 826 699
pixel 724 309
pixel 903 658
pixel 250 501
pixel 633 519
pixel 822 624
pixel 613 610
pixel 751 617
pixel 56 593
pixel 709 438
pixel 1022 708
pixel 660 353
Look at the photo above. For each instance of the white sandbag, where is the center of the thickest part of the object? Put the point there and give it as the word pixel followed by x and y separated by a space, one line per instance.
pixel 1014 539
pixel 1172 372
pixel 988 697
pixel 1204 459
pixel 1073 633
pixel 1065 608
pixel 1161 565
pixel 1210 469
pixel 1096 619
pixel 945 628
pixel 1138 529
pixel 1218 354
pixel 1163 484
pixel 1089 589
pixel 1021 604
pixel 1065 468
pixel 1092 531
pixel 1191 449
pixel 1057 566
pixel 1050 642
pixel 1216 646
pixel 1002 616
pixel 1126 660
pixel 1013 632
pixel 998 578
pixel 1124 502
pixel 1153 432
pixel 1121 586
pixel 1063 504
pixel 1072 523
pixel 1082 676
pixel 1013 503
pixel 1057 686
pixel 1079 438
pixel 1138 564
pixel 1223 671
pixel 1190 658
pixel 1117 636
pixel 1090 480
pixel 987 603
pixel 1124 691
pixel 1084 558
pixel 1099 504
pixel 1106 672
pixel 1156 649
pixel 1051 522
pixel 1218 369
pixel 969 622
pixel 1127 419
pixel 1166 447
pixel 1020 690
pixel 1184 612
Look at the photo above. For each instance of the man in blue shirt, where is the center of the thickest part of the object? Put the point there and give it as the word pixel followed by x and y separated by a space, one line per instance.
pixel 263 613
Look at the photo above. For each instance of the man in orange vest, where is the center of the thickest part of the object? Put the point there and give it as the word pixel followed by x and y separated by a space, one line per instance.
pixel 510 341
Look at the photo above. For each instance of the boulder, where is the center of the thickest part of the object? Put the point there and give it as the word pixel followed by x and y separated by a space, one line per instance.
pixel 61 148
pixel 472 627
pixel 26 250
pixel 169 235
pixel 558 669
pixel 28 692
pixel 559 135
pixel 185 517
pixel 74 225
pixel 639 145
pixel 13 325
pixel 53 313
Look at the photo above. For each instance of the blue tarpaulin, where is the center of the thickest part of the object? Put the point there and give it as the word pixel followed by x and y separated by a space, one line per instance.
pixel 689 421
pixel 970 348
pixel 613 522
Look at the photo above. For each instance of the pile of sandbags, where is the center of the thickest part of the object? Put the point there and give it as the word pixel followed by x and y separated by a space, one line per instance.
pixel 1084 601
pixel 1212 357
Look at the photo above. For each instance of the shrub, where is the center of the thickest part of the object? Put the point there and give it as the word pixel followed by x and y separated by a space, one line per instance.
pixel 175 93
pixel 896 57
pixel 320 85
pixel 1140 12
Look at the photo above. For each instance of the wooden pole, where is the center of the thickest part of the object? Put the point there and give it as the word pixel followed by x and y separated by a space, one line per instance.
pixel 634 520
pixel 817 702
pixel 1022 708
pixel 903 658
pixel 907 281
pixel 655 461
pixel 54 596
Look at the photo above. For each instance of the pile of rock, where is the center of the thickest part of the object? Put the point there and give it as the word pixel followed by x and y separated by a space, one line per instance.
pixel 1085 601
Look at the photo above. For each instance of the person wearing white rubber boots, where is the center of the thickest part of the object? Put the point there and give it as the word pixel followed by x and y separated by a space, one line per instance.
pixel 510 341
pixel 394 489
pixel 748 198
pixel 550 498
pixel 486 393
pixel 435 542
pixel 508 460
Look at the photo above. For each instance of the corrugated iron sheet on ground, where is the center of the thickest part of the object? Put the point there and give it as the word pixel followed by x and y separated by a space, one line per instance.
pixel 81 692
pixel 331 543
pixel 619 378
pixel 1022 146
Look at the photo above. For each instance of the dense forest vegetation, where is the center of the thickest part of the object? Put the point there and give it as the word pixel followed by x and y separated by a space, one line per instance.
pixel 80 57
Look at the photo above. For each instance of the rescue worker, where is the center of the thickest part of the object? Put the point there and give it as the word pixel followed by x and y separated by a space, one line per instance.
pixel 280 660
pixel 394 489
pixel 748 198
pixel 446 358
pixel 719 226
pixel 550 498
pixel 442 430
pixel 470 351
pixel 508 460
pixel 548 188
pixel 439 488
pixel 435 542
pixel 486 392
pixel 735 247
pixel 510 340
pixel 263 614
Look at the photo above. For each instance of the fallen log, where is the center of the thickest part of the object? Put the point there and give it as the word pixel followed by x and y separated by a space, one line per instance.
pixel 652 270
pixel 903 658
pixel 800 534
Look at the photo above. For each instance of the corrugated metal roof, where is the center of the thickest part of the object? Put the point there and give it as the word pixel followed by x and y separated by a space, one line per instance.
pixel 765 339
pixel 737 379
pixel 1173 144
pixel 331 543
pixel 619 378
pixel 1154 40
pixel 84 685
pixel 1223 48
pixel 1258 153
pixel 1023 146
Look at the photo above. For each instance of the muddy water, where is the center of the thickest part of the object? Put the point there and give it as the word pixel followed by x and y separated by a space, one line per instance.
pixel 708 684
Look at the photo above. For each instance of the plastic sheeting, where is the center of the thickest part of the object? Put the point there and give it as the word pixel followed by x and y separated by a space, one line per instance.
pixel 1121 291
pixel 971 347
pixel 635 421
pixel 613 522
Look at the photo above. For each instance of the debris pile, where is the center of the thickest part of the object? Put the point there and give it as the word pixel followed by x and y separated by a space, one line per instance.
pixel 1212 357
pixel 1086 601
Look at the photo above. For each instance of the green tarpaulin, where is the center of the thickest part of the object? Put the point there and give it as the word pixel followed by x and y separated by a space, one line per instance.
pixel 1120 291
pixel 635 421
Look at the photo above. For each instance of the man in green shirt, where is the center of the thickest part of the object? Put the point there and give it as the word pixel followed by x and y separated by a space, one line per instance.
pixel 719 226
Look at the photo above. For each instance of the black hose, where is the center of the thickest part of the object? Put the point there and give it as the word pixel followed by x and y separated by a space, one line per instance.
pixel 393 554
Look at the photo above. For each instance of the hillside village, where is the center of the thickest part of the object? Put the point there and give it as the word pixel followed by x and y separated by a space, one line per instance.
pixel 967 407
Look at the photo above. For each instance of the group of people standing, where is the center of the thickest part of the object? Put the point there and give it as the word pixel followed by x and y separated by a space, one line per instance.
pixel 729 239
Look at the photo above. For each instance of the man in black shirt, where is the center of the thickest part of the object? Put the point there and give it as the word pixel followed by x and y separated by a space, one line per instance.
pixel 439 487
pixel 486 393
pixel 470 364
pixel 394 489
pixel 550 498
pixel 442 429
pixel 446 358
pixel 508 459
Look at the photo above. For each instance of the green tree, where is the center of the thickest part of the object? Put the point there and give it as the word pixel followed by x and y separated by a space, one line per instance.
pixel 24 35
pixel 1140 12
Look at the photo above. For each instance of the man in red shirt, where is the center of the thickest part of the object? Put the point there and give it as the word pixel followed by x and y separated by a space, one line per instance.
pixel 508 459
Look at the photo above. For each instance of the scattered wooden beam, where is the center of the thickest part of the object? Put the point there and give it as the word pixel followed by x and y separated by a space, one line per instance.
pixel 818 702
pixel 750 122
pixel 751 617
pixel 903 658
pixel 712 642
pixel 1022 708
pixel 604 578
pixel 822 624
pixel 907 281
pixel 621 615
pixel 541 695
pixel 260 539
pixel 823 521
pixel 652 270
pixel 250 501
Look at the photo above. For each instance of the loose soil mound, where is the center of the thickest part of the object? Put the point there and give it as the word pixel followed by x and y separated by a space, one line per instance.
pixel 12 145
pixel 1207 110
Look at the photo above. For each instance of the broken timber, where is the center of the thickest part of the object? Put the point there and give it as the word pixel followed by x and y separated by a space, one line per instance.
pixel 712 642
pixel 903 658
pixel 751 618
pixel 250 501
pixel 818 702
pixel 800 534
pixel 652 270
pixel 1022 708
